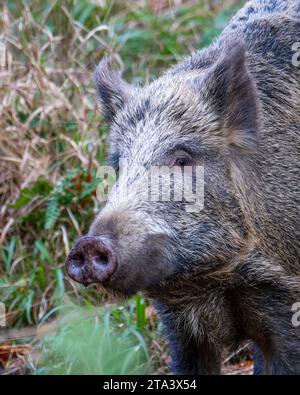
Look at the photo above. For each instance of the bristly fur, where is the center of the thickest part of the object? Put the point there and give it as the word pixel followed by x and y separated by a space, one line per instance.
pixel 230 272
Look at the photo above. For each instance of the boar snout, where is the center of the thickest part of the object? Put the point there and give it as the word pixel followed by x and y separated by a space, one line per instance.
pixel 91 260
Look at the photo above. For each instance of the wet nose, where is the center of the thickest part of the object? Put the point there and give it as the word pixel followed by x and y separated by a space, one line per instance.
pixel 91 260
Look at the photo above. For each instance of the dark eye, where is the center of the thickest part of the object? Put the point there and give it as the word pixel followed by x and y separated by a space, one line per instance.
pixel 183 161
pixel 114 160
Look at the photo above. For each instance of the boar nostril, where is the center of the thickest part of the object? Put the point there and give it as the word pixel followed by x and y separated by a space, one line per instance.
pixel 78 259
pixel 100 261
pixel 91 260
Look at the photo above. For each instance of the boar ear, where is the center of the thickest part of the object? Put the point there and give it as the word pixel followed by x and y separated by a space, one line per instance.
pixel 233 92
pixel 113 92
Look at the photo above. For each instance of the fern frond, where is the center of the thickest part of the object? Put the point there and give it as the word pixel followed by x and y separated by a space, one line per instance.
pixel 52 211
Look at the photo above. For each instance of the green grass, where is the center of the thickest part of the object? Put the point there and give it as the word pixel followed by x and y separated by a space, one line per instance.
pixel 52 139
pixel 97 341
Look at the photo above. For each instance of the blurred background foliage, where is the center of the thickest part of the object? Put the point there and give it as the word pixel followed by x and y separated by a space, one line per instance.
pixel 52 140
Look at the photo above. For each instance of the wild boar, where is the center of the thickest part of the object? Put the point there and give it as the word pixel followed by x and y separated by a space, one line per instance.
pixel 229 271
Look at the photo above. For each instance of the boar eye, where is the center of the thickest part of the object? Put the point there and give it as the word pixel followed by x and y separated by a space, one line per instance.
pixel 182 161
pixel 113 160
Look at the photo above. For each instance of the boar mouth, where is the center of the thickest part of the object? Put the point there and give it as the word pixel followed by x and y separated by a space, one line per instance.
pixel 104 263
